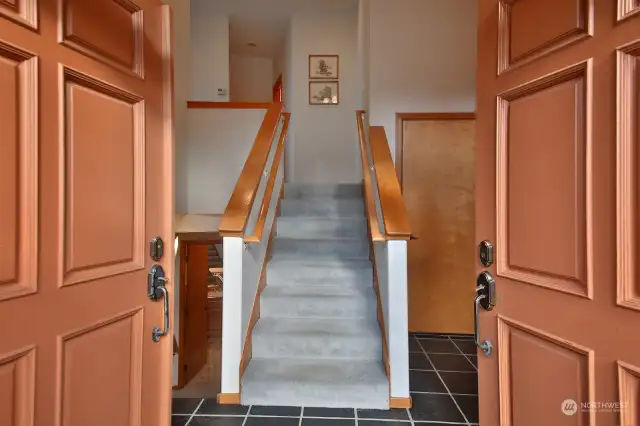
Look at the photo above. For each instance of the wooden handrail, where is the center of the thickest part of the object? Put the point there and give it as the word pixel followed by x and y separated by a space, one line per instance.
pixel 268 193
pixel 236 215
pixel 372 216
pixel 394 211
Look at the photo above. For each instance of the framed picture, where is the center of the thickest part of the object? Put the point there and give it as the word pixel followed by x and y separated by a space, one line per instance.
pixel 324 66
pixel 324 93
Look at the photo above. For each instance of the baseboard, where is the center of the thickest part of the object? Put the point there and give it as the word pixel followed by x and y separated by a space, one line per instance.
pixel 228 398
pixel 400 402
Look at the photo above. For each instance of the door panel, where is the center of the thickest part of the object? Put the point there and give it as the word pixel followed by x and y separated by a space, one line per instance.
pixel 556 182
pixel 85 182
pixel 438 188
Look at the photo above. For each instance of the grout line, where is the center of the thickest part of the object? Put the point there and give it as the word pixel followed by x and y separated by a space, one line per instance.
pixel 301 415
pixel 465 355
pixel 246 416
pixel 409 413
pixel 355 415
pixel 443 383
pixel 194 412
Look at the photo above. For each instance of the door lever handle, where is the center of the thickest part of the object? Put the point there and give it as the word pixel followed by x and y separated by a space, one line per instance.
pixel 486 297
pixel 155 290
pixel 157 333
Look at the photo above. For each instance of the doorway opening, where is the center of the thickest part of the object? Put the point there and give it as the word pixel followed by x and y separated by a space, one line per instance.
pixel 198 336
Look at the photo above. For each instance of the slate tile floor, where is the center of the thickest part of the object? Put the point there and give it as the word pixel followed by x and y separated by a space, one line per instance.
pixel 443 381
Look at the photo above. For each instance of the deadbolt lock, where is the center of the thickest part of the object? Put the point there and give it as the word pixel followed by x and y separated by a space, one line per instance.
pixel 156 248
pixel 485 251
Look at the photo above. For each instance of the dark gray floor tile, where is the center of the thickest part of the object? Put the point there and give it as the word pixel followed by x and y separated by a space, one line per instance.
pixel 450 362
pixel 184 405
pixel 466 383
pixel 257 410
pixel 425 381
pixel 272 421
pixel 216 421
pixel 469 406
pixel 328 412
pixel 466 346
pixel 435 407
pixel 328 422
pixel 419 361
pixel 210 406
pixel 179 420
pixel 441 346
pixel 414 346
pixel 382 422
pixel 392 414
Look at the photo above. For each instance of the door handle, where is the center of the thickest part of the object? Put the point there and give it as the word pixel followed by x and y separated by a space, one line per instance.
pixel 156 289
pixel 486 297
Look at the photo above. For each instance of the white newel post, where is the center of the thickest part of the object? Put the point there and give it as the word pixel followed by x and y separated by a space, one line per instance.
pixel 398 318
pixel 233 248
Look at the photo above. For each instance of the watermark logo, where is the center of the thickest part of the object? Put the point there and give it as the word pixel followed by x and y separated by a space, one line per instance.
pixel 569 407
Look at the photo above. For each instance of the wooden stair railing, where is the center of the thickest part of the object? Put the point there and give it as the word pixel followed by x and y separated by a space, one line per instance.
pixel 393 210
pixel 236 216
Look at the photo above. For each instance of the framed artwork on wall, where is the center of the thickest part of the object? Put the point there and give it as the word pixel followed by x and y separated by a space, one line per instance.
pixel 324 93
pixel 324 66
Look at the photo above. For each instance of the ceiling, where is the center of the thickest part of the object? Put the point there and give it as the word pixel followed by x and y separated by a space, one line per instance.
pixel 264 22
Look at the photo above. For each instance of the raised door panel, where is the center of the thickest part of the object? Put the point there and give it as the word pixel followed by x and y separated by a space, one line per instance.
pixel 121 46
pixel 108 392
pixel 628 177
pixel 17 390
pixel 528 29
pixel 543 142
pixel 18 172
pixel 104 185
pixel 24 12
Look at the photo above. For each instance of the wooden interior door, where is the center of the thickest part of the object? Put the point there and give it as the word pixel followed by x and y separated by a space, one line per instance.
pixel 85 182
pixel 195 310
pixel 438 189
pixel 557 194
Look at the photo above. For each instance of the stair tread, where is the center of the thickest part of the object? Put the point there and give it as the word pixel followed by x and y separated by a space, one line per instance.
pixel 287 261
pixel 340 372
pixel 317 326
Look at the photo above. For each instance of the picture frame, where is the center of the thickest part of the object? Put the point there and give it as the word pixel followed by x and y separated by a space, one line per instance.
pixel 323 92
pixel 324 67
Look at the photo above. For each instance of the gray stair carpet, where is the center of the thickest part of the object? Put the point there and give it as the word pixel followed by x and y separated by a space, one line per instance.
pixel 317 342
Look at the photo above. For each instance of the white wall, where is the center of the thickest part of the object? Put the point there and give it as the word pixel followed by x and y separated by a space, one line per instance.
pixel 219 143
pixel 323 139
pixel 422 58
pixel 181 75
pixel 210 52
pixel 251 79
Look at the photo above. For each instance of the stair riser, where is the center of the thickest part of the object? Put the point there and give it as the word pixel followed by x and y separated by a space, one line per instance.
pixel 322 208
pixel 353 248
pixel 297 274
pixel 334 191
pixel 300 346
pixel 293 394
pixel 356 307
pixel 289 227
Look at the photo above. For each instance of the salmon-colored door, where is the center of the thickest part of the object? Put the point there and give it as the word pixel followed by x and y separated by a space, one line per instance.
pixel 85 183
pixel 557 190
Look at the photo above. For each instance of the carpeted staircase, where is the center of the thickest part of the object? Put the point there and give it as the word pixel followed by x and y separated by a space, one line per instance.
pixel 317 342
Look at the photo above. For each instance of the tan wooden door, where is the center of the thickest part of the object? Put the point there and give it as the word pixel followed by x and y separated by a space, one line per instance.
pixel 557 187
pixel 85 182
pixel 195 310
